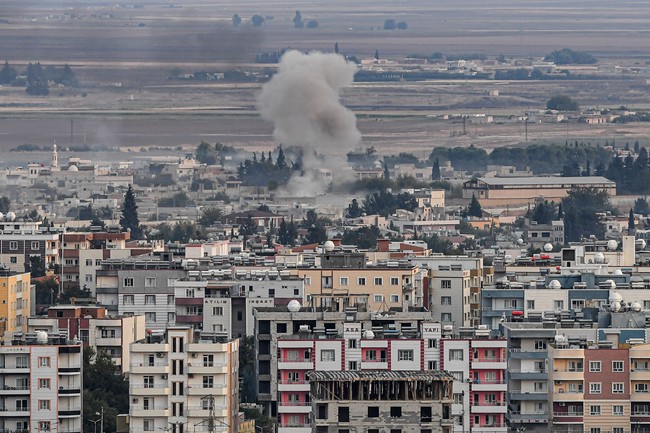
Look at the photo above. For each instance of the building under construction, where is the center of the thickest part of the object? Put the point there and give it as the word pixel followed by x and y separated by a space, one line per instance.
pixel 381 401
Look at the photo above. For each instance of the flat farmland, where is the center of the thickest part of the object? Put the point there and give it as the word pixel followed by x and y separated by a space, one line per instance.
pixel 123 54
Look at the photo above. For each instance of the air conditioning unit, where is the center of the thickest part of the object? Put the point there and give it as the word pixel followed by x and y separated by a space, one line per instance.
pixel 194 355
pixel 160 354
pixel 163 376
pixel 135 400
pixel 561 404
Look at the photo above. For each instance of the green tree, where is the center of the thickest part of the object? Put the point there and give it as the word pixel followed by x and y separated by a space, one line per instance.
pixel 129 219
pixel 567 56
pixel 354 210
pixel 104 387
pixel 257 20
pixel 236 20
pixel 402 25
pixel 312 24
pixel 630 221
pixel 435 170
pixel 280 161
pixel 316 232
pixel 562 103
pixel 206 154
pixel 209 216
pixel 36 81
pixel 336 47
pixel 4 204
pixel 582 213
pixel 641 206
pixel 390 24
pixel 297 20
pixel 474 208
pixel 7 74
pixel 247 362
pixel 364 237
pixel 543 212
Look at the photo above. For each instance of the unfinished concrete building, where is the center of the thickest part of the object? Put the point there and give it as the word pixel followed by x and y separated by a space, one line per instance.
pixel 381 401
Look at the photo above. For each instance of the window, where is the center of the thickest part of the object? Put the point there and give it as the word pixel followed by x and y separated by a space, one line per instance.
pixel 405 355
pixel 594 410
pixel 558 305
pixel 617 366
pixel 445 284
pixel 148 381
pixel 618 430
pixel 594 430
pixel 433 365
pixel 396 411
pixel 13 259
pixel 171 317
pixel 148 425
pixel 327 355
pixel 150 316
pixel 530 304
pixel 594 366
pixel 44 405
pixel 128 282
pixel 445 317
pixel 433 343
pixel 458 375
pixel 445 300
pixel 641 387
pixel 271 293
pixel 594 387
pixel 89 262
pixel 617 410
pixel 13 245
pixel 394 281
pixel 208 381
pixel 150 282
pixel 108 333
pixel 394 299
pixel 44 361
pixel 44 425
pixel 540 345
pixel 98 262
pixel 352 344
pixel 150 299
pixel 371 355
pixel 208 360
pixel 293 377
pixel 89 278
pixel 43 383
pixel 170 299
pixel 373 412
pixel 344 414
pixel 127 300
pixel 343 281
pixel 361 281
pixel 353 365
pixel 217 311
pixel 618 388
pixel 379 281
pixel 379 298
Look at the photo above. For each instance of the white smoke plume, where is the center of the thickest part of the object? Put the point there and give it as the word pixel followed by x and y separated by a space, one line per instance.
pixel 303 102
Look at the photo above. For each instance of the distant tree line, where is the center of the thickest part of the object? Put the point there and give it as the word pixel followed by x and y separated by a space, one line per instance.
pixel 36 78
pixel 266 171
pixel 567 56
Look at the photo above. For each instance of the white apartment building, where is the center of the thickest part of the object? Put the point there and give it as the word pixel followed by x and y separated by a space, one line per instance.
pixel 181 381
pixel 41 385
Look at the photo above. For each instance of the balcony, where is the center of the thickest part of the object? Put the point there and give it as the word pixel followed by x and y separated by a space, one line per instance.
pixel 14 390
pixel 528 374
pixel 190 301
pixel 149 390
pixel 206 368
pixel 568 374
pixel 529 395
pixel 374 364
pixel 6 412
pixel 295 364
pixel 528 417
pixel 69 391
pixel 204 411
pixel 568 417
pixel 489 407
pixel 148 368
pixel 108 341
pixel 5 369
pixel 294 429
pixel 70 413
pixel 69 371
pixel 489 385
pixel 184 318
pixel 640 416
pixel 639 394
pixel 294 407
pixel 518 353
pixel 149 411
pixel 496 363
pixel 297 385
pixel 198 389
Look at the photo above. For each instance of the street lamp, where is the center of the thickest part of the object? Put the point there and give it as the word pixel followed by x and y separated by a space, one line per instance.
pixel 95 421
pixel 100 420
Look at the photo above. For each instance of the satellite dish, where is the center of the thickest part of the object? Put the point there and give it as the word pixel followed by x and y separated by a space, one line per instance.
pixel 293 306
pixel 548 247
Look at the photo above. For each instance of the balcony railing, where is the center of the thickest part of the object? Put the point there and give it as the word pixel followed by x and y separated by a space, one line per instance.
pixel 489 359
pixel 148 364
pixel 295 360
pixel 292 382
pixel 568 413
pixel 149 386
pixel 15 388
pixel 489 382
pixel 295 403
pixel 375 360
pixel 514 370
pixel 569 370
pixel 489 403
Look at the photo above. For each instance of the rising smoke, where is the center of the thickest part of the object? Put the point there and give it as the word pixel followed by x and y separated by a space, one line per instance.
pixel 303 102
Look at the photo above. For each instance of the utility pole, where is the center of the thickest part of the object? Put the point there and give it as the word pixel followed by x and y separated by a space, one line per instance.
pixel 526 127
pixel 101 424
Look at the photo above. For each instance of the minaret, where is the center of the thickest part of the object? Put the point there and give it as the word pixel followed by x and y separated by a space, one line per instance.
pixel 55 157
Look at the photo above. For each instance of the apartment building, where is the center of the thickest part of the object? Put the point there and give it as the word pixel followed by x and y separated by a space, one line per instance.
pixel 41 384
pixel 334 333
pixel 589 387
pixel 223 300
pixel 140 286
pixel 15 301
pixel 367 401
pixel 395 284
pixel 111 335
pixel 478 365
pixel 184 381
pixel 24 244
